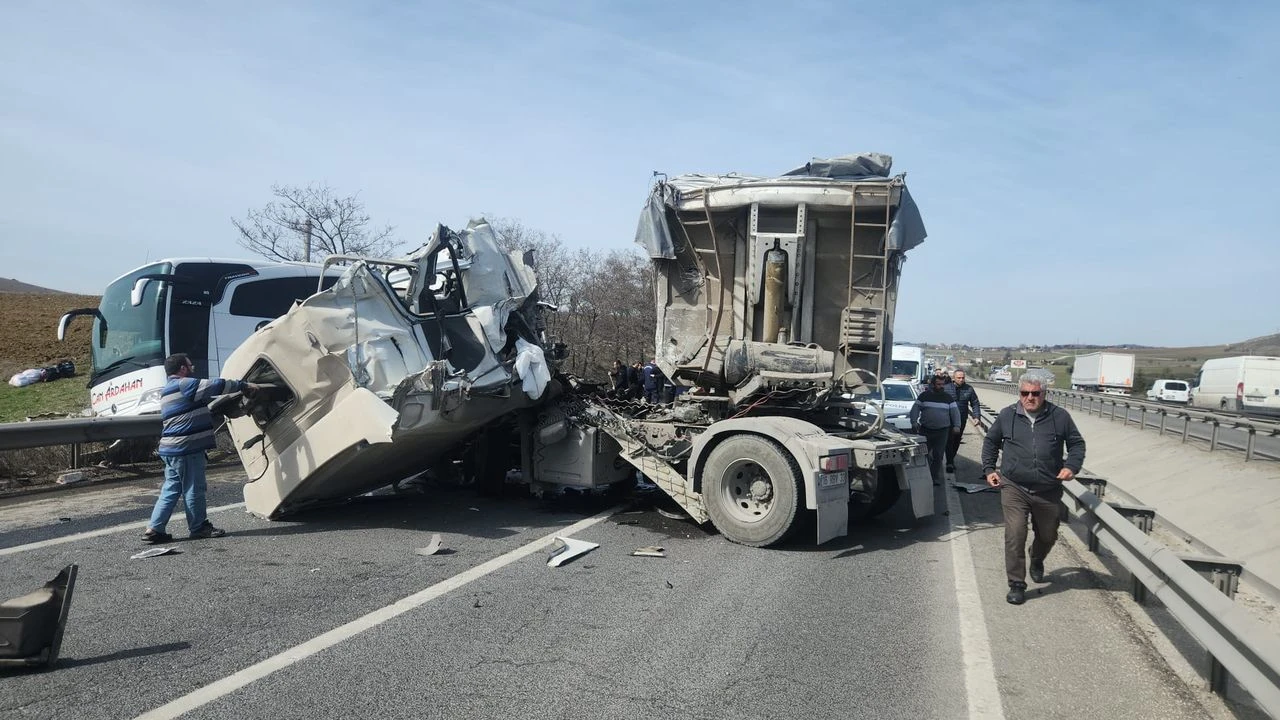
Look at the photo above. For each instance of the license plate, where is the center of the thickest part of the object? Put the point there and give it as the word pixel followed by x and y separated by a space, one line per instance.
pixel 826 480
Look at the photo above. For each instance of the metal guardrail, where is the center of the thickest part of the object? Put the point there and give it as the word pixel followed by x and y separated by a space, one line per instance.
pixel 73 432
pixel 1236 643
pixel 1090 402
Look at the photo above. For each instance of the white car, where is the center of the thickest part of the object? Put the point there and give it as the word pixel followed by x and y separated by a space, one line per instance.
pixel 1169 391
pixel 898 397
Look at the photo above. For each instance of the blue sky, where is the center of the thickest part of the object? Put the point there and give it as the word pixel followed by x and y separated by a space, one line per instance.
pixel 1093 172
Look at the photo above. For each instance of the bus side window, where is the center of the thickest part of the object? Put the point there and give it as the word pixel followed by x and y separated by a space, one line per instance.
pixel 271 298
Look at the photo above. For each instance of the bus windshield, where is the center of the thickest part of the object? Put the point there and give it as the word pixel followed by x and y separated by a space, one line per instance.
pixel 135 335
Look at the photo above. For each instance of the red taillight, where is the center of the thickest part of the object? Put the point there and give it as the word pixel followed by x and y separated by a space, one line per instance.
pixel 1239 391
pixel 834 463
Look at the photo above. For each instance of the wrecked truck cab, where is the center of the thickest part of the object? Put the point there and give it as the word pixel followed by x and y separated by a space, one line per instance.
pixel 383 374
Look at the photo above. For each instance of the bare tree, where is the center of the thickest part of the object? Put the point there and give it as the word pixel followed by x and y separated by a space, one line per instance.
pixel 310 222
pixel 606 299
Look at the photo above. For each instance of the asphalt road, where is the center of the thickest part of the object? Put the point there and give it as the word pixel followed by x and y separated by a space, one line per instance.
pixel 902 619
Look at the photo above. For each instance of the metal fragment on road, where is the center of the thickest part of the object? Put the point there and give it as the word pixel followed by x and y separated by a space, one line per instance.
pixel 567 548
pixel 651 551
pixel 672 515
pixel 432 547
pixel 155 552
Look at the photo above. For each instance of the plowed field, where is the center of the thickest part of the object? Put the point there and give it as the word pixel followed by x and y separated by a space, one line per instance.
pixel 29 331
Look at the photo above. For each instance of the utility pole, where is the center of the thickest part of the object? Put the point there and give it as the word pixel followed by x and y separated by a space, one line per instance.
pixel 306 230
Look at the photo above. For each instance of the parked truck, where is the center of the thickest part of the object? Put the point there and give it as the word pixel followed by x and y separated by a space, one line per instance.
pixel 1110 373
pixel 775 303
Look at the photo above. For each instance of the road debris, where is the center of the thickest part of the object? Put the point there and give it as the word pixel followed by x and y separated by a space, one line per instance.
pixel 651 551
pixel 432 547
pixel 155 552
pixel 69 478
pixel 672 515
pixel 567 549
pixel 974 487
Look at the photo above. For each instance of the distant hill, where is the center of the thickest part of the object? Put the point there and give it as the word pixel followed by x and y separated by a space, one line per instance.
pixel 1265 345
pixel 17 286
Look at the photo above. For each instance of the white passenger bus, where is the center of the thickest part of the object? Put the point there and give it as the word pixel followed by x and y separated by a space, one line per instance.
pixel 204 307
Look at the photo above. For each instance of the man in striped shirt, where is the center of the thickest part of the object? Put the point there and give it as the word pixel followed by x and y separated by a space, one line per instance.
pixel 187 433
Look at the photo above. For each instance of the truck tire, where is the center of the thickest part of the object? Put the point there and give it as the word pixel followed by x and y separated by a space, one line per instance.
pixel 751 488
pixel 886 496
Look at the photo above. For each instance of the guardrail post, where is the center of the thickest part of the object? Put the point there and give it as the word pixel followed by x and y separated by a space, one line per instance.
pixel 1248 448
pixel 1113 410
pixel 1142 417
pixel 75 456
pixel 1144 518
pixel 1186 427
pixel 1225 575
pixel 1163 417
pixel 1126 415
pixel 1213 436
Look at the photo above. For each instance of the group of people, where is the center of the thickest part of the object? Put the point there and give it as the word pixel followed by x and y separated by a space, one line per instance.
pixel 1036 446
pixel 637 382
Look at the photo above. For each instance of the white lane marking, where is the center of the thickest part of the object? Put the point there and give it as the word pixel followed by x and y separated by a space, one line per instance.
pixel 975 644
pixel 96 533
pixel 255 672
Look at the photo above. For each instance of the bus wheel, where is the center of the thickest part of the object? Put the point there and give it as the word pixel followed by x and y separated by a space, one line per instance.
pixel 751 488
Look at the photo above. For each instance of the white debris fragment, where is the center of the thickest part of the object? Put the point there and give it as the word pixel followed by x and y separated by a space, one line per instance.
pixel 155 552
pixel 567 548
pixel 432 547
pixel 651 551
pixel 68 478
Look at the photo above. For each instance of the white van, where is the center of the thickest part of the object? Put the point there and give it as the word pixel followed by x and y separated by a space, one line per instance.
pixel 1169 391
pixel 908 364
pixel 1247 384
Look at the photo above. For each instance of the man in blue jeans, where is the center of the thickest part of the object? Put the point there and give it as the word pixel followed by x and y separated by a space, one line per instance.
pixel 935 415
pixel 187 433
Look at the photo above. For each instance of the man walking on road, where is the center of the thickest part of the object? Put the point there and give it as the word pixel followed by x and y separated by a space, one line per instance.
pixel 1029 437
pixel 935 414
pixel 187 433
pixel 967 402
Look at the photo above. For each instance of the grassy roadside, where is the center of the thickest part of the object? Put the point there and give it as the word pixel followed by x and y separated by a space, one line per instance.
pixel 52 399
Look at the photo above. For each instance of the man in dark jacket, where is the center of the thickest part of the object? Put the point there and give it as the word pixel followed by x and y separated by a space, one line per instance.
pixel 967 402
pixel 1029 437
pixel 934 414
pixel 186 433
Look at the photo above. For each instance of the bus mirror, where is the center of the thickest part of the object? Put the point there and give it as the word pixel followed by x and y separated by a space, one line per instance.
pixel 139 287
pixel 102 324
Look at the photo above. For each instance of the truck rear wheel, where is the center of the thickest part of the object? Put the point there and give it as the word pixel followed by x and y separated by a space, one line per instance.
pixel 751 488
pixel 886 496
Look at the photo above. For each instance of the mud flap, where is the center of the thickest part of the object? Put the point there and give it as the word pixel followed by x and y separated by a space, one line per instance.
pixel 31 626
pixel 920 483
pixel 832 490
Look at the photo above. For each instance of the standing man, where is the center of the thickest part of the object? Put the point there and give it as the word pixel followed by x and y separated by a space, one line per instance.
pixel 187 433
pixel 935 413
pixel 620 375
pixel 653 381
pixel 1030 437
pixel 636 381
pixel 967 401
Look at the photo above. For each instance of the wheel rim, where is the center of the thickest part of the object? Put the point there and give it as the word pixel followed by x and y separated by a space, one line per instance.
pixel 747 491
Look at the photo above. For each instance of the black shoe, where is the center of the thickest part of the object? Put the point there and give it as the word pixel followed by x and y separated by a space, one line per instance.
pixel 208 531
pixel 1037 571
pixel 1017 593
pixel 951 468
pixel 153 537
